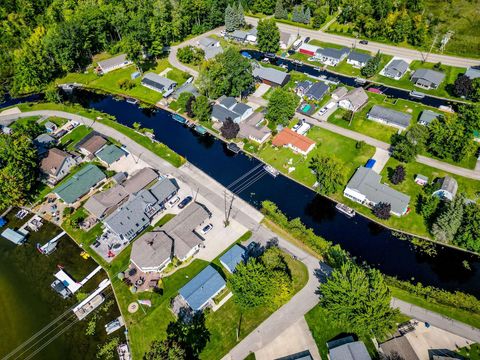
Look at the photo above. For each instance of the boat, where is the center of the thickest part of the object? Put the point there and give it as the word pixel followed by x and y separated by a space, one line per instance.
pixel 297 62
pixel 233 148
pixel 360 80
pixel 179 118
pixel 416 94
pixel 271 170
pixel 345 210
pixel 200 129
pixel 132 101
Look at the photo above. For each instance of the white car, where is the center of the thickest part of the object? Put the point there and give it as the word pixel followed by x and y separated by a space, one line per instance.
pixel 206 229
pixel 173 201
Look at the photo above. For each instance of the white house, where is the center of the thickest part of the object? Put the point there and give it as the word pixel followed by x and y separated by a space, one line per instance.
pixel 116 62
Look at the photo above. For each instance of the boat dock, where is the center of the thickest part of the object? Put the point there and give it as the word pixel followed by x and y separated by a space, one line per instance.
pixel 50 245
pixel 71 284
pixel 200 129
pixel 92 301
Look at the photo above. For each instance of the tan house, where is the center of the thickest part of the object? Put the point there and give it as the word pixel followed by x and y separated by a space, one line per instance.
pixel 91 145
pixel 56 165
pixel 354 99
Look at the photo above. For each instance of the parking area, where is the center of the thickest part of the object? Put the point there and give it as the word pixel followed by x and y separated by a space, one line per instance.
pixel 330 109
pixel 381 157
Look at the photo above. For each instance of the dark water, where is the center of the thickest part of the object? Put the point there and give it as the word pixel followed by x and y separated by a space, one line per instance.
pixel 362 238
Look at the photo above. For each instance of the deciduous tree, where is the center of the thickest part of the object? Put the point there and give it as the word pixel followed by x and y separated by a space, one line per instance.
pixel 202 108
pixel 382 210
pixel 329 173
pixel 281 106
pixel 268 36
pixel 229 129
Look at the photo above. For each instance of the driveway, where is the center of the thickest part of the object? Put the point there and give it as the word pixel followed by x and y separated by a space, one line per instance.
pixel 381 157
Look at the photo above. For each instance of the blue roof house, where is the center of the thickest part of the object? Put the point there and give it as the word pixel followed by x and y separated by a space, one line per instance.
pixel 199 291
pixel 233 257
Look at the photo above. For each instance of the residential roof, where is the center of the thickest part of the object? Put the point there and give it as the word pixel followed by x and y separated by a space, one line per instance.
pixel 152 249
pixel 450 185
pixel 252 127
pixel 472 73
pixel 93 144
pixel 212 51
pixel 238 34
pixel 44 139
pixel 112 62
pixel 101 202
pixel 163 188
pixel 396 68
pixel 368 182
pixel 271 74
pixel 241 108
pixel 360 57
pixel 119 177
pixel 288 136
pixel 50 125
pixel 401 346
pixel 427 116
pixel 202 287
pixel 339 92
pixel 390 115
pixel 227 101
pixel 429 76
pixel 13 236
pixel 221 114
pixel 351 351
pixel 110 153
pixel 234 256
pixel 187 87
pixel 304 85
pixel 207 41
pixel 317 90
pixel 140 180
pixel 229 107
pixel 332 53
pixel 52 163
pixel 303 355
pixel 79 184
pixel 357 97
pixel 421 177
pixel 156 81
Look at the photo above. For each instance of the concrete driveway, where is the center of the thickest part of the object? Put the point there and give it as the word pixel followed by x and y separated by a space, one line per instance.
pixel 381 157
pixel 128 164
pixel 261 90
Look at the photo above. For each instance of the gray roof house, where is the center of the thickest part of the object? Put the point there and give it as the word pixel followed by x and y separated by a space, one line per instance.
pixel 232 257
pixel 354 99
pixel 401 346
pixel 395 69
pixel 428 79
pixel 389 117
pixel 158 83
pixel 365 187
pixel 229 107
pixel 140 180
pixel 317 91
pixel 187 87
pixel 427 116
pixel 472 73
pixel 211 52
pixel 113 63
pixel 350 351
pixel 208 42
pixel 56 165
pixel 237 35
pixel 331 56
pixel 43 142
pixel 302 87
pixel 254 129
pixel 50 127
pixel 152 251
pixel 448 188
pixel 104 203
pixel 270 76
pixel 110 154
pixel 339 93
pixel 358 59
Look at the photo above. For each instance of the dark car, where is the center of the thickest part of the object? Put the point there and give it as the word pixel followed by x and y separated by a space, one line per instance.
pixel 364 42
pixel 185 202
pixel 307 39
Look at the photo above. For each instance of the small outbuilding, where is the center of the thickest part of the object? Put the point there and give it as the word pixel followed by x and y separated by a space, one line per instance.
pixel 448 188
pixel 234 256
pixel 421 179
pixel 14 236
pixel 427 116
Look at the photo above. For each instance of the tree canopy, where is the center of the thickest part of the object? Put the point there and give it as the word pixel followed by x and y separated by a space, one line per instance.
pixel 281 106
pixel 329 174
pixel 268 36
pixel 229 129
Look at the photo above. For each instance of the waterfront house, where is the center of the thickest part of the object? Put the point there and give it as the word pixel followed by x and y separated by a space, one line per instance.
pixel 354 99
pixel 286 39
pixel 389 117
pixel 253 128
pixel 317 91
pixel 395 69
pixel 339 93
pixel 302 87
pixel 104 203
pixel 152 251
pixel 298 143
pixel 447 189
pixel 232 257
pixel 199 292
pixel 158 83
pixel 229 107
pixel 140 180
pixel 79 184
pixel 56 165
pixel 110 154
pixel 427 116
pixel 270 76
pixel 472 73
pixel 428 79
pixel 331 56
pixel 116 62
pixel 365 187
pixel 91 144
pixel 187 87
pixel 357 59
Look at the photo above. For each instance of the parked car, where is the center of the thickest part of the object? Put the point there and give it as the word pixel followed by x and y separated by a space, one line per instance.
pixel 173 201
pixel 363 42
pixel 60 288
pixel 307 39
pixel 206 229
pixel 185 202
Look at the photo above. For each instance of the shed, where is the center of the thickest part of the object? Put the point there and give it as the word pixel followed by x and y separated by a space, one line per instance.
pixel 234 256
pixel 427 116
pixel 448 188
pixel 14 236
pixel 421 179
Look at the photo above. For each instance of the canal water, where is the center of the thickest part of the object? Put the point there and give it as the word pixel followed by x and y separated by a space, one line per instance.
pixel 364 239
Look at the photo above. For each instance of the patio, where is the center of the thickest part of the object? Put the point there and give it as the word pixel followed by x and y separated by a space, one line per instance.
pixel 140 281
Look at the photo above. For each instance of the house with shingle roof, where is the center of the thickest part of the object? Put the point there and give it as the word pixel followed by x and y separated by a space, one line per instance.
pixel 232 257
pixel 358 59
pixel 395 69
pixel 427 116
pixel 91 144
pixel 110 154
pixel 270 76
pixel 331 56
pixel 116 62
pixel 253 128
pixel 56 165
pixel 428 79
pixel 152 251
pixel 104 203
pixel 294 141
pixel 79 184
pixel 229 107
pixel 140 180
pixel 389 117
pixel 158 83
pixel 354 99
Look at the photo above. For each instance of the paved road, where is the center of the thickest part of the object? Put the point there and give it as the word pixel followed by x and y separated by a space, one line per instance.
pixel 437 320
pixel 468 173
pixel 373 47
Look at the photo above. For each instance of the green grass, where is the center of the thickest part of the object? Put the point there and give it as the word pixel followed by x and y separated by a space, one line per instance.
pixel 463 316
pixel 83 237
pixel 250 356
pixel 75 136
pixel 166 218
pixel 470 352
pixel 328 144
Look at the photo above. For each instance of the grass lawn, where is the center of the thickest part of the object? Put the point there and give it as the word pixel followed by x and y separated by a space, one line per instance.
pixel 75 136
pixel 165 218
pixel 470 352
pixel 328 144
pixel 84 237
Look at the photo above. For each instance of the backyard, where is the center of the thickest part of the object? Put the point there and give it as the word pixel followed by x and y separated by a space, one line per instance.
pixel 74 137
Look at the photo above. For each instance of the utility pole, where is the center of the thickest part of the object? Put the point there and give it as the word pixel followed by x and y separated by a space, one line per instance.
pixel 228 207
pixel 431 47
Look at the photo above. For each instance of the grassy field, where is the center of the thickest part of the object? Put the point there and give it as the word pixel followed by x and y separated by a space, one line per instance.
pixel 74 137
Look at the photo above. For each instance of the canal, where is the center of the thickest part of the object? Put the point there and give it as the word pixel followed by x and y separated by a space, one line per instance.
pixel 364 239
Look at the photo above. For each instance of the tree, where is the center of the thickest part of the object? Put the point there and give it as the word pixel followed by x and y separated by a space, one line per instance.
pixel 329 173
pixel 268 36
pixel 192 337
pixel 307 16
pixel 183 99
pixel 165 350
pixel 475 94
pixel 468 234
pixel 281 106
pixel 402 149
pixel 280 11
pixel 398 175
pixel 371 67
pixel 359 298
pixel 298 14
pixel 229 129
pixel 30 128
pixel 202 108
pixel 382 210
pixel 449 220
pixel 418 136
pixel 427 205
pixel 52 94
pixel 190 55
pixel 320 15
pixel 462 86
pixel 240 16
pixel 189 106
pixel 469 116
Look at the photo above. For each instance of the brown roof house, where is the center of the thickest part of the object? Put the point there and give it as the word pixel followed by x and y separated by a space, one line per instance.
pixel 56 165
pixel 354 99
pixel 91 145
pixel 104 203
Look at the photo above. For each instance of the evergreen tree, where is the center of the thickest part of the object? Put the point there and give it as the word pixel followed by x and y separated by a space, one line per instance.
pixel 297 14
pixel 280 11
pixel 230 19
pixel 240 16
pixel 307 15
pixel 449 220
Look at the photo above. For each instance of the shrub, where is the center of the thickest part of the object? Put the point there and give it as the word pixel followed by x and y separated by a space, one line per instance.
pixel 126 84
pixel 398 175
pixel 360 145
pixel 382 210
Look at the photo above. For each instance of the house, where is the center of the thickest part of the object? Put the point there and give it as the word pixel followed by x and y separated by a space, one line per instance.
pixel 308 49
pixel 353 100
pixel 447 190
pixel 187 87
pixel 399 346
pixel 140 180
pixel 252 36
pixel 302 87
pixel 395 69
pixel 207 42
pixel 158 83
pixel 253 128
pixel 317 91
pixel 237 35
pixel 427 116
pixel 331 56
pixel 56 165
pixel 294 141
pixel 270 76
pixel 50 127
pixel 14 236
pixel 357 59
pixel 91 145
pixel 286 40
pixel 421 179
pixel 110 154
pixel 389 117
pixel 229 107
pixel 136 214
pixel 339 93
pixel 119 177
pixel 199 292
pixel 234 256
pixel 365 187
pixel 355 350
pixel 428 79
pixel 211 52
pixel 79 184
pixel 116 62
pixel 104 203
pixel 152 251
pixel 43 142
pixel 472 73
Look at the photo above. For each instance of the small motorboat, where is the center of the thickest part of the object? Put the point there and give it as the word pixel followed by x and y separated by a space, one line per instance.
pixel 271 170
pixel 132 101
pixel 233 148
pixel 417 94
pixel 345 210
pixel 179 118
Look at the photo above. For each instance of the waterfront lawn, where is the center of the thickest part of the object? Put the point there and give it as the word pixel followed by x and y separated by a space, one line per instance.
pixel 84 237
pixel 71 139
pixel 328 144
